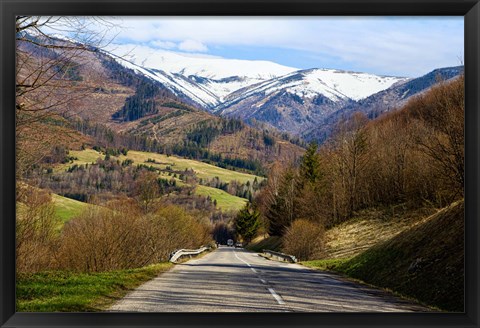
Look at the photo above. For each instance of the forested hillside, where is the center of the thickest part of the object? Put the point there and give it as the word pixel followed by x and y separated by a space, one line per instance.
pixel 116 170
pixel 371 181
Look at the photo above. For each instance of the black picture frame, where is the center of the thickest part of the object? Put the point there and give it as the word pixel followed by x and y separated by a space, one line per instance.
pixel 470 9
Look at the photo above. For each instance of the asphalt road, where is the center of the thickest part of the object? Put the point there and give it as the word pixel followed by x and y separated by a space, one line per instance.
pixel 234 280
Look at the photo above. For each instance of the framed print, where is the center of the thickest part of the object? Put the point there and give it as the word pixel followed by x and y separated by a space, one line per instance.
pixel 260 163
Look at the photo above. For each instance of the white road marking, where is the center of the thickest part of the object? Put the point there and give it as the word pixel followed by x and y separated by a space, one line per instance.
pixel 271 290
pixel 241 259
pixel 276 296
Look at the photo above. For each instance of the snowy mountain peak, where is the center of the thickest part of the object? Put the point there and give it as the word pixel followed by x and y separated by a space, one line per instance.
pixel 343 84
pixel 336 85
pixel 214 82
pixel 211 67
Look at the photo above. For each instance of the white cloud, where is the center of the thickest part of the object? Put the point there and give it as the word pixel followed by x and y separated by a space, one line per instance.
pixel 386 45
pixel 162 44
pixel 192 46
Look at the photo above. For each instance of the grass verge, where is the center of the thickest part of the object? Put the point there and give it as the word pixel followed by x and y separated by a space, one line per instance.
pixel 326 264
pixel 59 291
pixel 424 262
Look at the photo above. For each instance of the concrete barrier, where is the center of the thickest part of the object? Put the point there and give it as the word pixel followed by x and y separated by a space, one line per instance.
pixel 181 253
pixel 279 256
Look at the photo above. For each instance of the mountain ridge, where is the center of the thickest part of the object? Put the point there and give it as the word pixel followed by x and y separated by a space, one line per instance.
pixel 383 101
pixel 303 102
pixel 215 84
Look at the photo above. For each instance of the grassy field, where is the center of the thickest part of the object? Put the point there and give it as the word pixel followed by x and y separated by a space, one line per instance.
pixel 66 208
pixel 80 292
pixel 225 201
pixel 86 156
pixel 424 262
pixel 203 170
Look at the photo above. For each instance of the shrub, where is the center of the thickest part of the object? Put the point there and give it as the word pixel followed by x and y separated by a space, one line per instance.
pixel 304 239
pixel 123 237
pixel 119 235
pixel 102 239
pixel 35 231
pixel 171 228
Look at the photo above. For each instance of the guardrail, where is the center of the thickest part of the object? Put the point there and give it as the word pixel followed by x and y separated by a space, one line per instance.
pixel 178 254
pixel 279 256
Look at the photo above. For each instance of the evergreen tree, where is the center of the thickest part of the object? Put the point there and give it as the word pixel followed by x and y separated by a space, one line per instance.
pixel 310 187
pixel 282 211
pixel 310 166
pixel 247 222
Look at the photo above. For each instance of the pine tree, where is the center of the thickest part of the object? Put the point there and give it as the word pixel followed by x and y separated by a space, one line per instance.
pixel 310 166
pixel 247 222
pixel 282 211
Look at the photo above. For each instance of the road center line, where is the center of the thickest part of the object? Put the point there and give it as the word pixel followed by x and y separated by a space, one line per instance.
pixel 241 259
pixel 276 296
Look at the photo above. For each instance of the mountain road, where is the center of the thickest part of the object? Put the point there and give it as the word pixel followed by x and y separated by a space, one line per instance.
pixel 235 280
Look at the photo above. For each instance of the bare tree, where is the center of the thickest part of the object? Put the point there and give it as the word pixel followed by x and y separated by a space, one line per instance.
pixel 147 189
pixel 49 80
pixel 441 112
pixel 351 145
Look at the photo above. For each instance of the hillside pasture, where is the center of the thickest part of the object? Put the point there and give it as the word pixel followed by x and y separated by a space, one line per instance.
pixel 225 201
pixel 202 170
pixel 86 156
pixel 66 208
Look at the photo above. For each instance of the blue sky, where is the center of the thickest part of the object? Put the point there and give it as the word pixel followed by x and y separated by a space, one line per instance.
pixel 401 46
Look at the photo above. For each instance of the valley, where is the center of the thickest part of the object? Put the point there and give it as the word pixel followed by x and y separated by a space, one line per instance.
pixel 121 160
pixel 184 172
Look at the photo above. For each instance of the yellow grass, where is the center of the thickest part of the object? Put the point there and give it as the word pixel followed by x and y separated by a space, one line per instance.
pixel 203 170
pixel 86 156
pixel 225 201
pixel 367 229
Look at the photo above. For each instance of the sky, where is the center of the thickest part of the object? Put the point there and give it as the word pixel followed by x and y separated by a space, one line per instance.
pixel 396 46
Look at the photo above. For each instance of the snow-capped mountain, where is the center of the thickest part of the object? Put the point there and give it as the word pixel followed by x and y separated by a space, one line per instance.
pixel 212 81
pixel 307 103
pixel 304 97
pixel 333 84
pixel 206 80
pixel 384 101
pixel 285 97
